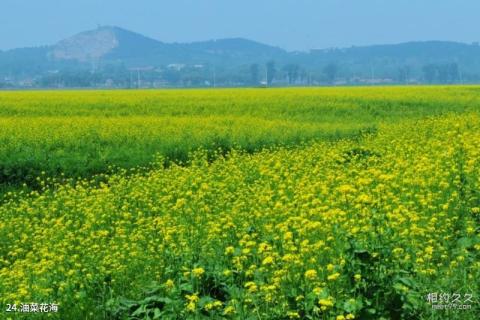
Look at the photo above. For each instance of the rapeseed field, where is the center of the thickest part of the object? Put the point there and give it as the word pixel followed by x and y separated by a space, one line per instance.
pixel 339 203
pixel 82 133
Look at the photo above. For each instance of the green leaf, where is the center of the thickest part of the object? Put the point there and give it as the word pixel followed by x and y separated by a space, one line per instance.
pixel 204 300
pixel 157 314
pixel 407 282
pixel 140 311
pixel 371 311
pixel 353 305
pixel 465 242
pixel 186 287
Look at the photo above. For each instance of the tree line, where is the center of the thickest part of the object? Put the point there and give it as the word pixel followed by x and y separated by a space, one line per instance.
pixel 256 74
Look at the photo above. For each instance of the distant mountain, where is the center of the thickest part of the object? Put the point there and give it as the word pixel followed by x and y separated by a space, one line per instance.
pixel 399 61
pixel 117 45
pixel 108 43
pixel 119 48
pixel 410 53
pixel 133 49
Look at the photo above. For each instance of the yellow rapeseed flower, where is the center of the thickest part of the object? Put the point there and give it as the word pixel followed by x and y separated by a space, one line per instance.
pixel 198 272
pixel 333 277
pixel 311 274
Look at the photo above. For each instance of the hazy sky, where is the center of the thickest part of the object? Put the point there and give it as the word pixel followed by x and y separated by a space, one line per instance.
pixel 291 24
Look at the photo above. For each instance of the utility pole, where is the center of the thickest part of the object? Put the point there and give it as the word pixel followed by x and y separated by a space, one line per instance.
pixel 266 76
pixel 372 74
pixel 214 77
pixel 138 78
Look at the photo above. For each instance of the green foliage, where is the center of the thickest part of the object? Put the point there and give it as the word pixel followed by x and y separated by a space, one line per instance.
pixel 79 134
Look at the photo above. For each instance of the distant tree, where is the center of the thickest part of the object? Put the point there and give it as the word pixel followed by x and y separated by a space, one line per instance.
pixel 429 73
pixel 271 72
pixel 403 74
pixel 330 71
pixel 444 73
pixel 254 74
pixel 173 77
pixel 304 76
pixel 453 73
pixel 192 76
pixel 293 72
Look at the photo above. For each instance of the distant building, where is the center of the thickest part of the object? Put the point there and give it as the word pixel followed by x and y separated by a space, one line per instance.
pixel 26 82
pixel 160 84
pixel 176 66
pixel 109 83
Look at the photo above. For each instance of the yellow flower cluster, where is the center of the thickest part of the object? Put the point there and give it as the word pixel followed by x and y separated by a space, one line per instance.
pixel 307 232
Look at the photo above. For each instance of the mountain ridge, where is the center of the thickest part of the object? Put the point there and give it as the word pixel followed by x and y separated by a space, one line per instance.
pixel 114 47
pixel 104 42
pixel 111 42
